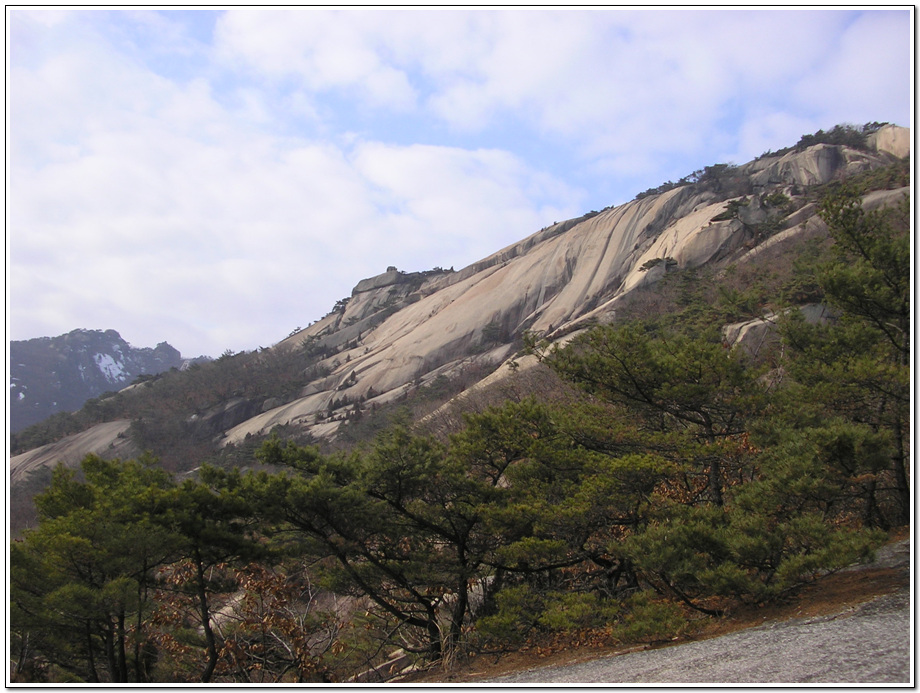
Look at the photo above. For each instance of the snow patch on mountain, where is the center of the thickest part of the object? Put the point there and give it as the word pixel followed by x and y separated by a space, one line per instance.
pixel 113 370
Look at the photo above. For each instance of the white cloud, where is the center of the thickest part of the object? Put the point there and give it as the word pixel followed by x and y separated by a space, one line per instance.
pixel 866 73
pixel 617 86
pixel 319 49
pixel 459 205
pixel 220 195
pixel 174 213
pixel 768 131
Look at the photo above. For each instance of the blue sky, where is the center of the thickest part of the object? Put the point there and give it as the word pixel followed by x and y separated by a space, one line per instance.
pixel 216 179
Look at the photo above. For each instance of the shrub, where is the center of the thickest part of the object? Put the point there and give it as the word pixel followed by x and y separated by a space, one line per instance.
pixel 575 610
pixel 518 609
pixel 650 620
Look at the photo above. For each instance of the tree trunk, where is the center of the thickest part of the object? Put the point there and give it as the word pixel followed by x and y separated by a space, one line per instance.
pixel 458 613
pixel 23 653
pixel 94 675
pixel 435 646
pixel 715 466
pixel 140 671
pixel 205 620
pixel 110 652
pixel 902 483
pixel 715 481
pixel 490 589
pixel 121 653
pixel 872 517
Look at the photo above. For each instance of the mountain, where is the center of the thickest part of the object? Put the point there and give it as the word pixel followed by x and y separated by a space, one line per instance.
pixel 400 331
pixel 440 333
pixel 57 374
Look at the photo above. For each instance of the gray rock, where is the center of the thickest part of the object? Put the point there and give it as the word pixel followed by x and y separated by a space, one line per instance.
pixel 224 416
pixel 398 328
pixel 869 644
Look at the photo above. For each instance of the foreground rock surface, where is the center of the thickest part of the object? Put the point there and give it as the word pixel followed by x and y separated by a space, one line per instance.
pixel 868 643
pixel 107 440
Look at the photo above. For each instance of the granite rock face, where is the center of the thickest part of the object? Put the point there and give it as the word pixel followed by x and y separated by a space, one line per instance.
pixel 399 331
pixel 891 139
pixel 108 440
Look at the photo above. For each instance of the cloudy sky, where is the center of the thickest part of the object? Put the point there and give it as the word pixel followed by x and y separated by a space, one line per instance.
pixel 217 179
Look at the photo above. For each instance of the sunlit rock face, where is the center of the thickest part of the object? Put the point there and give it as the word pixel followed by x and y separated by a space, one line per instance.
pixel 109 440
pixel 399 330
pixel 891 139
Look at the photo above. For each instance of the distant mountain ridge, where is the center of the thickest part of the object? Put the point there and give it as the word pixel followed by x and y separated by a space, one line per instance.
pixel 54 374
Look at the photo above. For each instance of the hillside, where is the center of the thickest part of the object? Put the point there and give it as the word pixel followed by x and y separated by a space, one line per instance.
pixel 404 334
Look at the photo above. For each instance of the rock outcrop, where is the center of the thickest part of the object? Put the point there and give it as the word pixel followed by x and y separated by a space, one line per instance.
pixel 109 440
pixel 222 417
pixel 891 139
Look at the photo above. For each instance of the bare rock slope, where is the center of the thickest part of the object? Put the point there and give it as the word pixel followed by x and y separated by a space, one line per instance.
pixel 398 331
pixel 107 440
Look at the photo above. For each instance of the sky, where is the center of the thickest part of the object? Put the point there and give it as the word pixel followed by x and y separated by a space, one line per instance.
pixel 217 179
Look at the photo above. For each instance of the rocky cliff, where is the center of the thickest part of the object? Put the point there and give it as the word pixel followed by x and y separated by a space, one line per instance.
pixel 398 331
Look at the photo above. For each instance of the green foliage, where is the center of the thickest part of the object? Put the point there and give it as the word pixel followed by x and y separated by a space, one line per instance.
pixel 84 574
pixel 842 134
pixel 523 610
pixel 564 611
pixel 777 199
pixel 856 365
pixel 870 278
pixel 690 385
pixel 748 551
pixel 693 380
pixel 846 135
pixel 650 620
pixel 731 209
pixel 719 178
pixel 669 262
pixel 492 333
pixel 740 305
pixel 518 610
pixel 84 582
pixel 401 524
